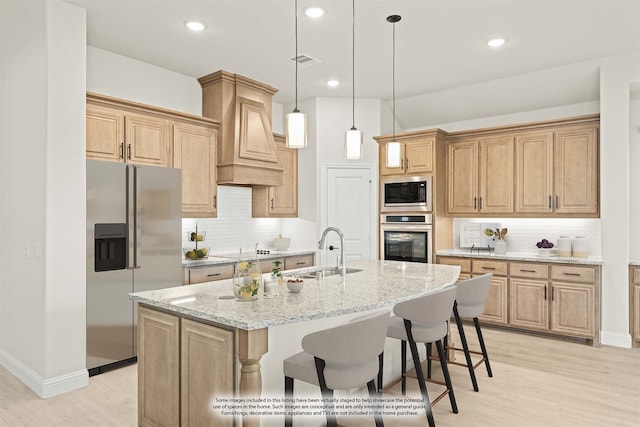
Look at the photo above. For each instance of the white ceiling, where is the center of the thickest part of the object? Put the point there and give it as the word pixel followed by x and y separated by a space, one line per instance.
pixel 439 44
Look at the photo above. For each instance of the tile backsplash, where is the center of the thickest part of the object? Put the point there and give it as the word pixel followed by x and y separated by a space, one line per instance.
pixel 525 232
pixel 234 228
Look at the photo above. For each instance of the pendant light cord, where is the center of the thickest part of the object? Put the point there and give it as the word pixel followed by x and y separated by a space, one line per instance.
pixel 393 78
pixel 353 64
pixel 295 110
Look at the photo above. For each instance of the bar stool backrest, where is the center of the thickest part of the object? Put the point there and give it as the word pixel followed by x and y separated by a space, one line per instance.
pixel 352 344
pixel 471 295
pixel 431 308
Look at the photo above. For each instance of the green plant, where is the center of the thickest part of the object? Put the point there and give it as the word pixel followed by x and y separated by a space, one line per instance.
pixel 276 269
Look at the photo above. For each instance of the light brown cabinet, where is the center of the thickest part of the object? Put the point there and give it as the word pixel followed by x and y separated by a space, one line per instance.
pixel 122 136
pixel 557 171
pixel 416 157
pixel 299 261
pixel 480 175
pixel 208 274
pixel 560 299
pixel 280 201
pixel 194 149
pixel 634 304
pixel 181 364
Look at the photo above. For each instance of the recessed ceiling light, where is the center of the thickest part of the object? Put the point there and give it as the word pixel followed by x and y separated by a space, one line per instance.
pixel 314 12
pixel 195 26
pixel 497 42
pixel 333 83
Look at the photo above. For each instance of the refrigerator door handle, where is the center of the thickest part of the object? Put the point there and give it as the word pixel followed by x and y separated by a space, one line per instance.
pixel 130 217
pixel 136 217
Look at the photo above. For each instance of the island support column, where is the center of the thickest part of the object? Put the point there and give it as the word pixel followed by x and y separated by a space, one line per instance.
pixel 250 347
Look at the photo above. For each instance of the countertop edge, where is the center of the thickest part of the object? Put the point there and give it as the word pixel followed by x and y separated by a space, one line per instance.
pixel 520 256
pixel 217 260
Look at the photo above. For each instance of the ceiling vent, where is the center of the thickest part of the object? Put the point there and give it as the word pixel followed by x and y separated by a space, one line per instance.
pixel 304 59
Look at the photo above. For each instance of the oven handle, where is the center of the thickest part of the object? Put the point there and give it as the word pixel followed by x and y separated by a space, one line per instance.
pixel 405 227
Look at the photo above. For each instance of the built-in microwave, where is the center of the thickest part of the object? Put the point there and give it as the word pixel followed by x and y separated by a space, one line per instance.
pixel 407 194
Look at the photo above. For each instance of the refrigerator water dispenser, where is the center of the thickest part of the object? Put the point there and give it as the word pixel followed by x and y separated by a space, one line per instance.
pixel 110 247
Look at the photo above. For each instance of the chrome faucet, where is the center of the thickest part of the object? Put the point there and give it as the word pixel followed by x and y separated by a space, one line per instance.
pixel 341 266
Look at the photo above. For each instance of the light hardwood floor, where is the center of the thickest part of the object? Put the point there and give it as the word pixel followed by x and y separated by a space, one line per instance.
pixel 537 382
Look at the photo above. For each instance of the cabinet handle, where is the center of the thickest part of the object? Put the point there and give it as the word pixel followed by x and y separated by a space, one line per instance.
pixel 401 163
pixel 553 293
pixel 571 274
pixel 407 164
pixel 545 293
pixel 300 263
pixel 272 203
pixel 475 203
pixel 215 201
pixel 480 203
pixel 488 268
pixel 214 274
pixel 129 151
pixel 550 201
pixel 122 150
pixel 557 201
pixel 527 271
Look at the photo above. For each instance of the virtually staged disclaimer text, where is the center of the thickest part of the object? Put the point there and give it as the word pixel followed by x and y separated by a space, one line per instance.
pixel 310 406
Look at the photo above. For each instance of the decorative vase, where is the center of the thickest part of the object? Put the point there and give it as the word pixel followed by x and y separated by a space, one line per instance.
pixel 247 282
pixel 500 247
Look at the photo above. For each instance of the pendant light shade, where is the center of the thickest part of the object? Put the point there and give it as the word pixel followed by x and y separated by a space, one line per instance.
pixel 296 122
pixel 353 139
pixel 394 159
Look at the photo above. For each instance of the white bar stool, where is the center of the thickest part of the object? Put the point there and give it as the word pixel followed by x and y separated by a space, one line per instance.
pixel 470 298
pixel 423 319
pixel 339 358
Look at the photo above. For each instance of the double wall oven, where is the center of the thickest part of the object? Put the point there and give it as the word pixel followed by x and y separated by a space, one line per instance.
pixel 405 219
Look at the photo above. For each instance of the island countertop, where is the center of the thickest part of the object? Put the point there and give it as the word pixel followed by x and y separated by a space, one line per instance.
pixel 379 284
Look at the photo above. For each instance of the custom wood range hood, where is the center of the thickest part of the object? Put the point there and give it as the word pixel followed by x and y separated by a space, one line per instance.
pixel 246 147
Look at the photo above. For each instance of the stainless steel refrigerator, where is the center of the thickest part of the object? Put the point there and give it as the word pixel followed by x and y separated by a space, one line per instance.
pixel 134 232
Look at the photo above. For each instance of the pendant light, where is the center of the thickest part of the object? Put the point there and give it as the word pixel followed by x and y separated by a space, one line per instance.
pixel 353 139
pixel 393 147
pixel 296 122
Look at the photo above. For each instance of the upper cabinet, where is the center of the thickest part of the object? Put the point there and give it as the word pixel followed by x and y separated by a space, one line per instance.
pixel 124 131
pixel 124 136
pixel 548 168
pixel 414 158
pixel 557 171
pixel 194 150
pixel 480 175
pixel 279 201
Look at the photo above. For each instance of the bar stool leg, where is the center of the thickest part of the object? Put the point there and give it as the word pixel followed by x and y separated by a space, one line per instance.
pixel 429 352
pixel 380 370
pixel 288 402
pixel 403 363
pixel 420 375
pixel 373 393
pixel 327 394
pixel 447 378
pixel 482 346
pixel 465 347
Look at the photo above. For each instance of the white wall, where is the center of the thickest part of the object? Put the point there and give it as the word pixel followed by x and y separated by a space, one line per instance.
pixel 616 79
pixel 43 185
pixel 634 177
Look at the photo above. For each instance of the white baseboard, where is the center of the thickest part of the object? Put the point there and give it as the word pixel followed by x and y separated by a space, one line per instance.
pixel 615 339
pixel 44 388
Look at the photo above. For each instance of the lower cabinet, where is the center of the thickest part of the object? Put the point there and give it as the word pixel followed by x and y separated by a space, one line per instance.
pixel 634 304
pixel 182 365
pixel 561 299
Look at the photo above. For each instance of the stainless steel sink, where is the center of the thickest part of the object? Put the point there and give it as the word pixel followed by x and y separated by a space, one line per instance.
pixel 324 271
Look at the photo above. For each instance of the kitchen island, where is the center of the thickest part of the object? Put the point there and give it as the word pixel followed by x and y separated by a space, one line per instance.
pixel 191 338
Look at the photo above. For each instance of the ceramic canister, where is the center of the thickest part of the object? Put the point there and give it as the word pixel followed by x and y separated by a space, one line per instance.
pixel 564 246
pixel 580 248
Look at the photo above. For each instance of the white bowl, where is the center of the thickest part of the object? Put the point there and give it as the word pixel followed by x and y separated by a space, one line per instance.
pixel 295 287
pixel 282 244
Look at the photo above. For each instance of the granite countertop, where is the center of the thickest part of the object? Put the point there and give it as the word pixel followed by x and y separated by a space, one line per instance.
pixel 379 284
pixel 227 258
pixel 520 256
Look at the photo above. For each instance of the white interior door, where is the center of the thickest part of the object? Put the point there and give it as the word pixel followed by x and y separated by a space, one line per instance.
pixel 349 204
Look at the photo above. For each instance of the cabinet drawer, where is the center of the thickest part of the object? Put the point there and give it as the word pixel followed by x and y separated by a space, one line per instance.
pixel 301 261
pixel 636 276
pixel 464 263
pixel 526 270
pixel 498 268
pixel 208 274
pixel 573 274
